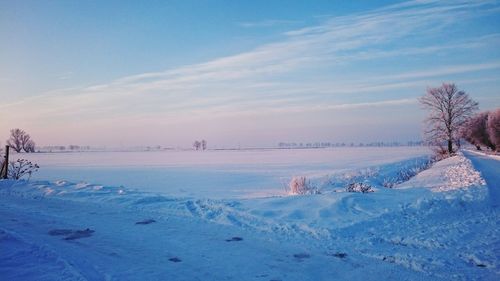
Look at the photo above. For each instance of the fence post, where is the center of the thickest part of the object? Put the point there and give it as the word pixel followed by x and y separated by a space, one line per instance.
pixel 5 166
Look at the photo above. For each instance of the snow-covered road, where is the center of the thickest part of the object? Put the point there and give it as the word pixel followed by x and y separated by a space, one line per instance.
pixel 490 170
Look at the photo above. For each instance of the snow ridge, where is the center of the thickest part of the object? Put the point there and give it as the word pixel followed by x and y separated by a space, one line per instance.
pixel 461 175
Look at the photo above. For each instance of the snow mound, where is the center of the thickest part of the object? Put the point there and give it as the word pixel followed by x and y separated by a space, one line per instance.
pixel 461 175
pixel 453 173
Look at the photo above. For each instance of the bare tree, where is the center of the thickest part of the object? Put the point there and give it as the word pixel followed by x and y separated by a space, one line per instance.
pixel 30 146
pixel 203 144
pixel 448 109
pixel 197 145
pixel 18 139
pixel 494 128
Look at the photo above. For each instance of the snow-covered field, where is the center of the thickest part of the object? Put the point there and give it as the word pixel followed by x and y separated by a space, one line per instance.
pixel 443 224
pixel 212 173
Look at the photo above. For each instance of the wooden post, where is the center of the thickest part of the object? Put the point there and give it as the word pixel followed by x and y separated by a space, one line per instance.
pixel 5 166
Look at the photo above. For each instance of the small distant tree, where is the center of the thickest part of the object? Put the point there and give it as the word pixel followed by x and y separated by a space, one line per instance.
pixel 203 144
pixel 449 109
pixel 74 147
pixel 197 145
pixel 18 140
pixel 494 128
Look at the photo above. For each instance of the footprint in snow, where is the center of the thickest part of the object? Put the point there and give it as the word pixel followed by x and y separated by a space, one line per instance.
pixel 233 239
pixel 57 232
pixel 389 259
pixel 301 256
pixel 339 255
pixel 80 234
pixel 71 234
pixel 148 221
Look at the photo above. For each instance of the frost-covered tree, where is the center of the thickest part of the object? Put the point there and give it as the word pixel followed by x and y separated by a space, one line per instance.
pixel 448 109
pixel 203 144
pixel 475 131
pixel 494 128
pixel 18 139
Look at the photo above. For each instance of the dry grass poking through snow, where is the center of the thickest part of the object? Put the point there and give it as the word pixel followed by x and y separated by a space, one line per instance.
pixel 301 186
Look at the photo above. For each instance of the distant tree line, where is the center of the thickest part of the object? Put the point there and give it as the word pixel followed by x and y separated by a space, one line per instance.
pixel 82 148
pixel 348 144
pixel 71 147
pixel 483 130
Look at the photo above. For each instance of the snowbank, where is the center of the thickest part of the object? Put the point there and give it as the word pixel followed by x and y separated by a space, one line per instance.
pixel 452 173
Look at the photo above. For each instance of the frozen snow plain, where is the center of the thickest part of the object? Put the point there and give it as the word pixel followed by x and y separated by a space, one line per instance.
pixel 213 173
pixel 443 224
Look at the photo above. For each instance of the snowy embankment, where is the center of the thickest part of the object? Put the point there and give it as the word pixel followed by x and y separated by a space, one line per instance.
pixel 449 174
pixel 67 231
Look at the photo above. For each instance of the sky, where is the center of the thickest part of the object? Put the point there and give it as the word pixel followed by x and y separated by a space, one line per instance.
pixel 238 73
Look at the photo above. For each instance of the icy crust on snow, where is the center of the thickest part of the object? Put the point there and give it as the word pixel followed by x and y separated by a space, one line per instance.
pixel 453 173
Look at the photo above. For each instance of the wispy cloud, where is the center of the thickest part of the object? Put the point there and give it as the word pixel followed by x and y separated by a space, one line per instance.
pixel 307 71
pixel 268 23
pixel 447 70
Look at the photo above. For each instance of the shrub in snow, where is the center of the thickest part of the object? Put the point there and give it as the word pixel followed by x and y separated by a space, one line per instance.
pixel 21 168
pixel 359 187
pixel 408 172
pixel 300 185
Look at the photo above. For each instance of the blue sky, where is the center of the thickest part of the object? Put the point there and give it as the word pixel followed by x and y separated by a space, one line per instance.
pixel 238 72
